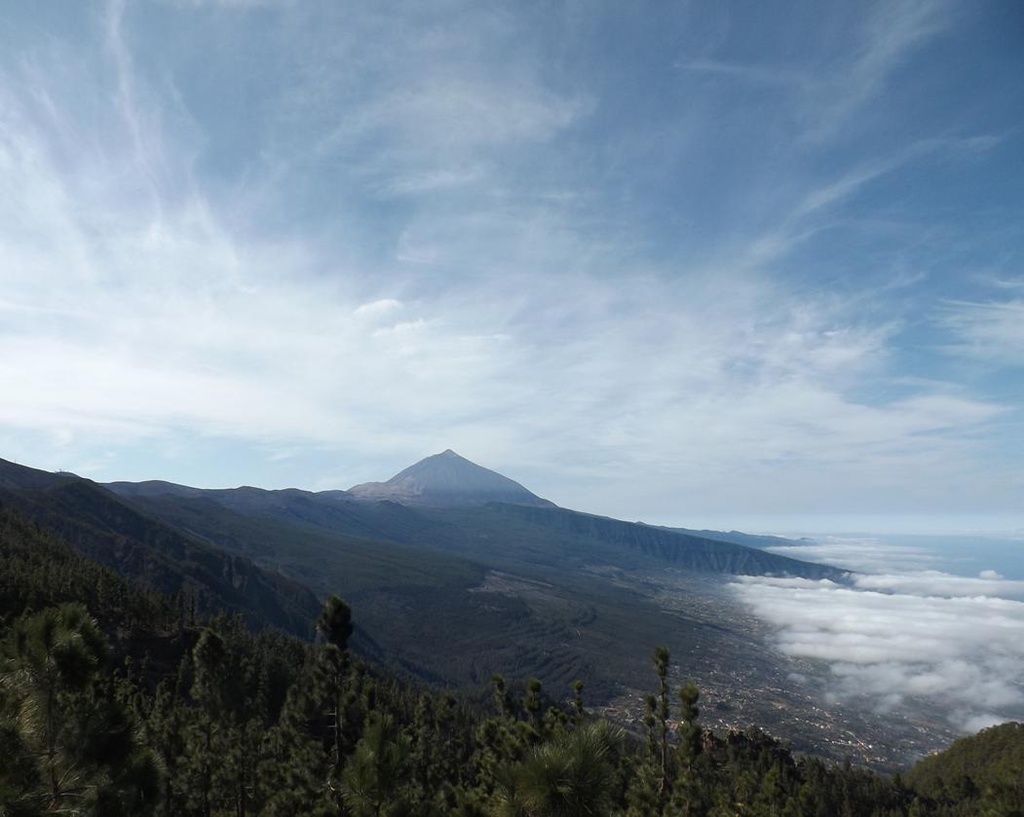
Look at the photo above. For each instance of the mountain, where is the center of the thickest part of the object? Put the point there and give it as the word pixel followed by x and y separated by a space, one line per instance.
pixel 508 536
pixel 456 585
pixel 129 743
pixel 573 538
pixel 447 480
pixel 114 533
pixel 451 585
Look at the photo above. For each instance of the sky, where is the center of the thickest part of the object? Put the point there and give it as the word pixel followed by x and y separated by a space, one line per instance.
pixel 705 264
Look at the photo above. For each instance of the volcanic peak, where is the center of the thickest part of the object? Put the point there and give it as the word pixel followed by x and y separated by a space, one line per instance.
pixel 448 480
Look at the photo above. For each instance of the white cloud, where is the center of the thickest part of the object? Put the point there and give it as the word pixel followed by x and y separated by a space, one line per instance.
pixel 898 639
pixel 900 634
pixel 937 583
pixel 378 309
pixel 468 271
pixel 867 555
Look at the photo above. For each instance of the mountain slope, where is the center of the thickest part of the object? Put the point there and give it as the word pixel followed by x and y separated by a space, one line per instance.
pixel 559 535
pixel 447 480
pixel 457 593
pixel 761 542
pixel 37 570
pixel 986 767
pixel 106 529
pixel 511 536
pixel 453 594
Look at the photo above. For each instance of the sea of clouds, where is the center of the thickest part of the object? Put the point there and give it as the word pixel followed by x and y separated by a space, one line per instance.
pixel 901 632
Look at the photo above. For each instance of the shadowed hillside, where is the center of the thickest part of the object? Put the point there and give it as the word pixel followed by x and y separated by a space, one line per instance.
pixel 102 527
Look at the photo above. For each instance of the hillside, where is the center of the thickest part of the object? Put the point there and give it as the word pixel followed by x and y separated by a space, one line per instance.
pixel 451 594
pixel 986 770
pixel 170 720
pixel 447 503
pixel 457 592
pixel 558 535
pixel 746 539
pixel 102 527
pixel 38 570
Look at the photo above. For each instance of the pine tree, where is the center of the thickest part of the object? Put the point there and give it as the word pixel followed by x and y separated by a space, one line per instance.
pixel 661 661
pixel 372 780
pixel 69 735
pixel 532 702
pixel 577 698
pixel 571 775
pixel 686 786
pixel 335 625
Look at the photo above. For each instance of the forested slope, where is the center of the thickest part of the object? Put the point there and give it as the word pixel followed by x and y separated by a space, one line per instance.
pixel 227 722
pixel 105 529
pixel 983 773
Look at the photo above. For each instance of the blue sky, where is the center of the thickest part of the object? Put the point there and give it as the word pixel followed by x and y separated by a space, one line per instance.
pixel 694 263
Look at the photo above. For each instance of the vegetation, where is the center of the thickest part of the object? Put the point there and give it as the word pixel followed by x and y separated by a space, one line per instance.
pixel 981 774
pixel 112 533
pixel 446 595
pixel 115 700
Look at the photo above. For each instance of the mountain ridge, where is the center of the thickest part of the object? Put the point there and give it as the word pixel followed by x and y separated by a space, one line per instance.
pixel 447 503
pixel 110 531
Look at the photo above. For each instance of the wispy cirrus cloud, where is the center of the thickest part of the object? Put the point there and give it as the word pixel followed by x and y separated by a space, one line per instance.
pixel 832 85
pixel 887 35
pixel 768 75
pixel 989 331
pixel 400 230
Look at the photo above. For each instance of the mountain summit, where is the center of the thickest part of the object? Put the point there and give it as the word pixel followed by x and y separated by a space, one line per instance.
pixel 448 480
